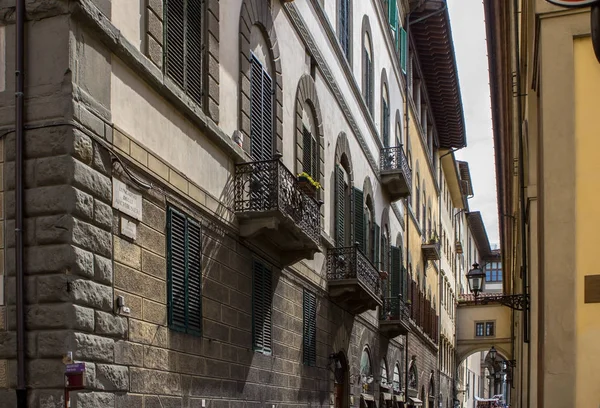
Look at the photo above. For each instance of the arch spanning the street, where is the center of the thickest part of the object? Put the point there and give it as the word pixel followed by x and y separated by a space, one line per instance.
pixel 479 327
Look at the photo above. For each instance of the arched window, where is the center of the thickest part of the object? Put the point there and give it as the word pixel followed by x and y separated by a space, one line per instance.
pixel 398 129
pixel 413 377
pixel 384 375
pixel 367 66
pixel 385 115
pixel 366 371
pixel 385 250
pixel 397 379
pixel 370 227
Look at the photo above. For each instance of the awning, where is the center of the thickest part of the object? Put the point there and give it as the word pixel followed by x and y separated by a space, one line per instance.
pixel 386 396
pixel 367 397
pixel 415 401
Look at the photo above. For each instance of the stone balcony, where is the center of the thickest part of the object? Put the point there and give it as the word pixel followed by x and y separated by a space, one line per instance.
pixel 273 211
pixel 353 281
pixel 396 175
pixel 431 248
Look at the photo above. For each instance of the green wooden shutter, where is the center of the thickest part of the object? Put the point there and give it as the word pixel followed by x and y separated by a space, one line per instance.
pixel 404 284
pixel 395 279
pixel 344 27
pixel 261 112
pixel 393 14
pixel 309 328
pixel 194 49
pixel 403 49
pixel 306 151
pixel 386 124
pixel 376 250
pixel 183 48
pixel 261 308
pixel 184 263
pixel 340 203
pixel 359 218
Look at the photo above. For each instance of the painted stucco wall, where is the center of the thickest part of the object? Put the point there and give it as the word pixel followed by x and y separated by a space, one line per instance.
pixel 587 95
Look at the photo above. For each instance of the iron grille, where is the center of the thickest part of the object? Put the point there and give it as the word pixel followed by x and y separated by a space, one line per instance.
pixel 394 308
pixel 394 158
pixel 268 185
pixel 351 263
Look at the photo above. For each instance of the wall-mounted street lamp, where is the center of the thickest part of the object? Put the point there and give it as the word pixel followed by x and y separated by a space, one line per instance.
pixel 476 280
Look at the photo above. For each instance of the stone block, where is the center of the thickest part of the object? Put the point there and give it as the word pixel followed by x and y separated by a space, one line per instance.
pixel 45 373
pixel 110 325
pixel 215 290
pixel 148 333
pixel 216 368
pixel 121 141
pixel 191 364
pixel 111 377
pixel 8 399
pixel 154 216
pixel 154 51
pixel 94 348
pixel 162 401
pixel 46 316
pixel 157 7
pixel 54 288
pixel 154 381
pixel 54 229
pixel 28 174
pixel 54 343
pixel 103 215
pixel 155 357
pixel 103 270
pixel 87 399
pixel 152 240
pixel 211 309
pixel 201 387
pixel 94 69
pixel 134 303
pixel 102 160
pixel 241 338
pixel 92 238
pixel 178 181
pixel 154 265
pixel 217 331
pixel 128 353
pixel 92 294
pixel 158 166
pixel 92 182
pixel 29 238
pixel 154 26
pixel 83 318
pixel 48 398
pixel 139 154
pixel 140 284
pixel 129 401
pixel 54 259
pixel 51 200
pixel 154 312
pixel 127 253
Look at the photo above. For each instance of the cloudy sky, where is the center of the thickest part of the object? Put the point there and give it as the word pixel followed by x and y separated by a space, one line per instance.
pixel 468 30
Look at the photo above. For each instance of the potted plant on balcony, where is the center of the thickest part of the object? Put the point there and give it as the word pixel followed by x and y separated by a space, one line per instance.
pixel 308 185
pixel 433 239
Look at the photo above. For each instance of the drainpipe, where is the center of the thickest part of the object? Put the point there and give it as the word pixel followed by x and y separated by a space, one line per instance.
pixel 19 109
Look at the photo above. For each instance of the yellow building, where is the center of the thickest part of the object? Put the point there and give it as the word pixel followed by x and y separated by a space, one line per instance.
pixel 545 88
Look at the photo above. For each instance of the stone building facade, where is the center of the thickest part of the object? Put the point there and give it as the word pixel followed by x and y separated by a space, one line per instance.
pixel 168 242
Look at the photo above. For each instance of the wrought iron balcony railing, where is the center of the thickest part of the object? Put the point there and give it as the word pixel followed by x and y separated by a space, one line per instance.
pixel 266 186
pixel 394 158
pixel 394 308
pixel 350 263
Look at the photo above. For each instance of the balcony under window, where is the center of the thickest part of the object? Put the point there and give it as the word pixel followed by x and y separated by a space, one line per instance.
pixel 393 317
pixel 459 247
pixel 396 175
pixel 272 210
pixel 353 281
pixel 431 247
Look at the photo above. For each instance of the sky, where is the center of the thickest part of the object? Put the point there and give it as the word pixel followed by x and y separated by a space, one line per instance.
pixel 468 31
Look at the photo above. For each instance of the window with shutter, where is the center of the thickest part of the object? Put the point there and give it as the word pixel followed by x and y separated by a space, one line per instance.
pixel 340 204
pixel 184 45
pixel 359 219
pixel 393 13
pixel 309 154
pixel 262 326
pixel 403 48
pixel 376 252
pixel 395 279
pixel 309 332
pixel 344 27
pixel 184 270
pixel 261 111
pixel 385 127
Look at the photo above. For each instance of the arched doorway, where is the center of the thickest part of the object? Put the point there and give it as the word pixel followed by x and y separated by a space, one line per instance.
pixel 342 381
